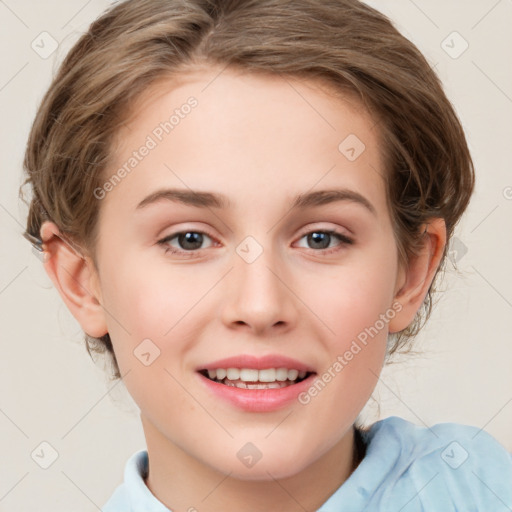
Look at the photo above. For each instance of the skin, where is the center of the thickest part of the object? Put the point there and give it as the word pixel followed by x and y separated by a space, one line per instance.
pixel 259 141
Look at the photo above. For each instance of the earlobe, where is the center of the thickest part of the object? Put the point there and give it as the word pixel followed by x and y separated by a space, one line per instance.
pixel 416 279
pixel 75 278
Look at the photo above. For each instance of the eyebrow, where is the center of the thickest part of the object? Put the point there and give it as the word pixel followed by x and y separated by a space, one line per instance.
pixel 201 199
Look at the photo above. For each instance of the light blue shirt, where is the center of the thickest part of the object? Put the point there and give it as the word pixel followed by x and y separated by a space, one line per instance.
pixel 407 468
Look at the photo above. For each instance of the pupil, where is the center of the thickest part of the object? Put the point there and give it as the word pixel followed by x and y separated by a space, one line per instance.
pixel 320 238
pixel 190 237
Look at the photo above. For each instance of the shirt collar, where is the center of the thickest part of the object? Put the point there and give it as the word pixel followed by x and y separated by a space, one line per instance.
pixel 139 495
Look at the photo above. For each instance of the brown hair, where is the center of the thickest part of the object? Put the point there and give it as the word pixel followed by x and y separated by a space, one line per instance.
pixel 343 43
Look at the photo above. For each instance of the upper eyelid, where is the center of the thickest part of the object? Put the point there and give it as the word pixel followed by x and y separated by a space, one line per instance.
pixel 303 232
pixel 182 231
pixel 330 228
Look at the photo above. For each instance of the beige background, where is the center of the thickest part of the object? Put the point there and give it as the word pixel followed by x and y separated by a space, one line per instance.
pixel 50 391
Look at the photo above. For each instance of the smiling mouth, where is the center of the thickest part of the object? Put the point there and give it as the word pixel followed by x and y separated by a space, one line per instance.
pixel 250 378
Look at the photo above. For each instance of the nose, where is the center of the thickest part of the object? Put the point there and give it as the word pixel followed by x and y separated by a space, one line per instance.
pixel 259 297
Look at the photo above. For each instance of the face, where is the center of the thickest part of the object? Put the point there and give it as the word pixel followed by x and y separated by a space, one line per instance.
pixel 258 270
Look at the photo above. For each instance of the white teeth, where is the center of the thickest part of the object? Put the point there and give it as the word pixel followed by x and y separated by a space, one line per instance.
pixel 249 375
pixel 293 374
pixel 282 374
pixel 268 375
pixel 233 373
pixel 271 375
pixel 245 385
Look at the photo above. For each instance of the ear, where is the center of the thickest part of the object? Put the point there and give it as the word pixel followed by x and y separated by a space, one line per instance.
pixel 415 280
pixel 76 279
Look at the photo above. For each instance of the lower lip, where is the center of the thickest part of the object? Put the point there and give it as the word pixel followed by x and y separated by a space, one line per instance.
pixel 258 400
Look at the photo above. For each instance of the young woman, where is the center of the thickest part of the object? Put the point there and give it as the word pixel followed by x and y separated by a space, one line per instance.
pixel 246 204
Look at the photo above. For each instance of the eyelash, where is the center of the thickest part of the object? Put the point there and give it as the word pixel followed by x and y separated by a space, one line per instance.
pixel 344 240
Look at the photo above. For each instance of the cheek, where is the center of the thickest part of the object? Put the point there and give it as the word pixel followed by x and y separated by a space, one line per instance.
pixel 151 334
pixel 355 297
pixel 356 306
pixel 155 316
pixel 142 310
pixel 149 301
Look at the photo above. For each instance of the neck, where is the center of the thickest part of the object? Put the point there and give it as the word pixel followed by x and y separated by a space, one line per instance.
pixel 183 483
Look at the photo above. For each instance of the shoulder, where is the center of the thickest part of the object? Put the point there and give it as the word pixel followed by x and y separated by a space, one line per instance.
pixel 447 465
pixel 419 439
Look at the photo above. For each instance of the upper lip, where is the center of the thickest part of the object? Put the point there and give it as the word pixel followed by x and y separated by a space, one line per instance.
pixel 257 363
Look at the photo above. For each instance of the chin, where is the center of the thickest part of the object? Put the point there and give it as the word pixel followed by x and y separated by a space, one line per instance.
pixel 267 468
pixel 264 473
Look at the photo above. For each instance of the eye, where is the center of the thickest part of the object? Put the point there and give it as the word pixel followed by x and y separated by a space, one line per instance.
pixel 321 239
pixel 188 242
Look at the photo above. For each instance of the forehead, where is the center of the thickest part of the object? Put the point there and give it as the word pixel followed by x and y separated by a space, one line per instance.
pixel 247 132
